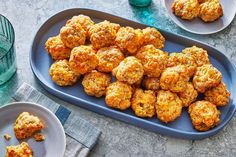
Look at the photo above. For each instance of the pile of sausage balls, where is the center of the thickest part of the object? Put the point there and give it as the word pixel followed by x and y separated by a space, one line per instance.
pixel 207 10
pixel 148 79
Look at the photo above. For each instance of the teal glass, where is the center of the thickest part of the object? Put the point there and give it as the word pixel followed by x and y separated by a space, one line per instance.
pixel 140 3
pixel 7 50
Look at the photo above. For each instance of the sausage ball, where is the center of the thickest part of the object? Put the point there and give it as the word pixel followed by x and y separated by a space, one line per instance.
pixel 118 95
pixel 154 37
pixel 95 83
pixel 83 59
pixel 182 59
pixel 189 95
pixel 129 39
pixel 168 106
pixel 218 95
pixel 151 83
pixel 186 9
pixel 210 10
pixel 109 58
pixel 20 150
pixel 206 77
pixel 175 78
pixel 204 115
pixel 130 70
pixel 61 73
pixel 103 34
pixel 143 103
pixel 26 125
pixel 82 20
pixel 154 60
pixel 57 49
pixel 200 55
pixel 73 36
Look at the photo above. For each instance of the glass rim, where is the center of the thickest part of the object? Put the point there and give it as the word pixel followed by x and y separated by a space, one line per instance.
pixel 13 41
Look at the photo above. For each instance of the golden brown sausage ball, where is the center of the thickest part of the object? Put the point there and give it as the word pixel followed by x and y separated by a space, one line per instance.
pixel 175 78
pixel 20 150
pixel 168 106
pixel 103 34
pixel 83 59
pixel 72 36
pixel 186 9
pixel 204 115
pixel 130 70
pixel 189 95
pixel 218 95
pixel 151 83
pixel 95 83
pixel 129 39
pixel 200 55
pixel 182 59
pixel 57 49
pixel 109 58
pixel 206 77
pixel 143 103
pixel 119 95
pixel 210 10
pixel 83 20
pixel 154 37
pixel 154 60
pixel 61 73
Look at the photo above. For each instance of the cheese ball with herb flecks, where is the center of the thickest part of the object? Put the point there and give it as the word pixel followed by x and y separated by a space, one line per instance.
pixel 154 37
pixel 26 125
pixel 143 103
pixel 129 39
pixel 186 9
pixel 204 115
pixel 175 78
pixel 218 95
pixel 61 73
pixel 168 106
pixel 83 59
pixel 57 49
pixel 130 70
pixel 21 150
pixel 151 83
pixel 95 83
pixel 103 34
pixel 189 95
pixel 73 36
pixel 206 77
pixel 84 21
pixel 154 61
pixel 182 59
pixel 210 10
pixel 109 58
pixel 118 95
pixel 199 54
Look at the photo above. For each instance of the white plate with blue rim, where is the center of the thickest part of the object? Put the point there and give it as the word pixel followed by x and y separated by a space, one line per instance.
pixel 197 26
pixel 55 139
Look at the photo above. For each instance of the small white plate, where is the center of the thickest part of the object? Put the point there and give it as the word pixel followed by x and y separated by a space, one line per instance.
pixel 197 26
pixel 55 142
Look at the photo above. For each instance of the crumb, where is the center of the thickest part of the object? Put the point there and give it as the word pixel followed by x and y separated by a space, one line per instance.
pixel 39 137
pixel 7 137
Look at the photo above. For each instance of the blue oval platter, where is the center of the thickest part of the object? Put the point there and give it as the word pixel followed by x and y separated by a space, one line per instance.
pixel 40 63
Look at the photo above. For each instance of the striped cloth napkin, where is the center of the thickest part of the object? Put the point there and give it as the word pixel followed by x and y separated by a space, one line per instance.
pixel 81 136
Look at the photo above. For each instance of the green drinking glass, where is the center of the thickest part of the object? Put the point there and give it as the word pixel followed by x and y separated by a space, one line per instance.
pixel 140 3
pixel 7 50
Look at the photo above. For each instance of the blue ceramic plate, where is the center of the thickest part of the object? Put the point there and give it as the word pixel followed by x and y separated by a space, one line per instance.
pixel 55 141
pixel 182 127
